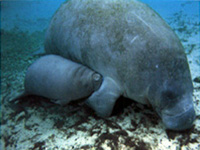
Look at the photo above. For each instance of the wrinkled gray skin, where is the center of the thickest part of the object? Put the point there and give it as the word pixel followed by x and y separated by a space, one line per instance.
pixel 135 51
pixel 60 79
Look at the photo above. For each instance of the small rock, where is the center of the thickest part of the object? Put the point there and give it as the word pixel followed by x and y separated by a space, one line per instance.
pixel 197 79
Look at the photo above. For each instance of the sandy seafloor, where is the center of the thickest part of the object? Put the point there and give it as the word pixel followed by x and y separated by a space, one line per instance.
pixel 35 123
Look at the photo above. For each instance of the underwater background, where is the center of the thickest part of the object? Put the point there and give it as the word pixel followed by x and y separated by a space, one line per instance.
pixel 39 124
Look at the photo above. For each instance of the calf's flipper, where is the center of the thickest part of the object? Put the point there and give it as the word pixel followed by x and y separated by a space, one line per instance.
pixel 103 100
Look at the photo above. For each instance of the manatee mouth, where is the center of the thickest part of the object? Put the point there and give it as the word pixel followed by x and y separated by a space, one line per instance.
pixel 178 112
pixel 179 121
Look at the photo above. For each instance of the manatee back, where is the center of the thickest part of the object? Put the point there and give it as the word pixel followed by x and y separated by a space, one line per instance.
pixel 105 34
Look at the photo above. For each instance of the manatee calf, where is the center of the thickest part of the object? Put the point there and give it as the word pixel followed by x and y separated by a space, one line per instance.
pixel 136 52
pixel 60 79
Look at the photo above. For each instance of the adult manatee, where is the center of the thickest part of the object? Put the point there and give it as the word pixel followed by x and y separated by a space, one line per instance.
pixel 136 52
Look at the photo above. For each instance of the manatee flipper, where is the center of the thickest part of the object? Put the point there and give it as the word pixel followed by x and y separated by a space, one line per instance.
pixel 103 100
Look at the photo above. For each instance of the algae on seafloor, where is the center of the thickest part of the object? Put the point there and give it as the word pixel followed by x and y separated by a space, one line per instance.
pixel 15 40
pixel 17 45
pixel 186 27
pixel 16 49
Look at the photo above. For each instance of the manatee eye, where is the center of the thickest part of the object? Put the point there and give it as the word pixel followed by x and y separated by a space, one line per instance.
pixel 168 99
pixel 169 95
pixel 97 80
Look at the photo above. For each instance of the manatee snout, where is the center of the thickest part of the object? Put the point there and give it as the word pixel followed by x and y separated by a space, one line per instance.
pixel 181 121
pixel 170 93
pixel 179 113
